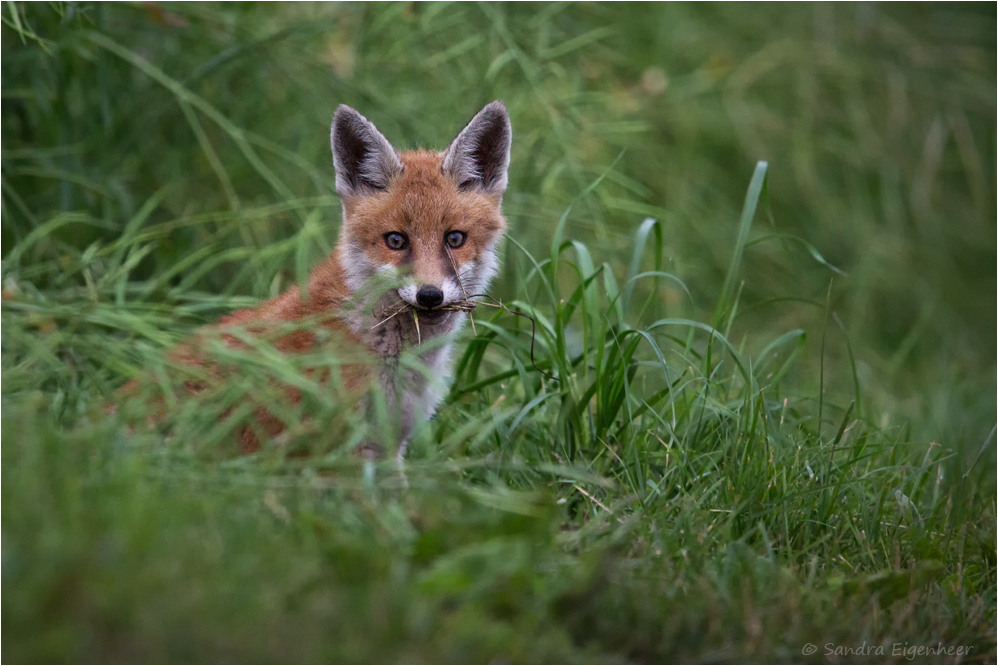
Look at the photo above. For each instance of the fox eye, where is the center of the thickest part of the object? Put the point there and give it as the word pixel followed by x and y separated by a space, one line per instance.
pixel 396 241
pixel 455 239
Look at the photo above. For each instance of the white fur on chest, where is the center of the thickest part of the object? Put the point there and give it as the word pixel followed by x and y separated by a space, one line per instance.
pixel 414 384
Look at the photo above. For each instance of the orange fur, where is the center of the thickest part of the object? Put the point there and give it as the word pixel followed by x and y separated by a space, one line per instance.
pixel 428 204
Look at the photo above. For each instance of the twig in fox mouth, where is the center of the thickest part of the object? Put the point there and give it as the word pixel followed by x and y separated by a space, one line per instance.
pixel 468 305
pixel 457 306
pixel 402 308
pixel 533 328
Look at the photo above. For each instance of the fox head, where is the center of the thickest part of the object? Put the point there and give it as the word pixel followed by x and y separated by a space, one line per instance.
pixel 431 221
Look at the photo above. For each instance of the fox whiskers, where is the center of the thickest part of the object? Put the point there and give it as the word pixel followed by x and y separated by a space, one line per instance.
pixel 460 282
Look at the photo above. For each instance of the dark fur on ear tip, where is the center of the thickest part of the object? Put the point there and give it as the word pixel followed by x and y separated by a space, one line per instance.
pixel 479 157
pixel 363 158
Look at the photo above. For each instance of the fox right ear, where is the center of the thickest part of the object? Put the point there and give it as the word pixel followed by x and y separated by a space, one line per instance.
pixel 479 157
pixel 364 160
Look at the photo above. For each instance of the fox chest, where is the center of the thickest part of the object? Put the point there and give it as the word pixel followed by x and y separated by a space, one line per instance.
pixel 414 383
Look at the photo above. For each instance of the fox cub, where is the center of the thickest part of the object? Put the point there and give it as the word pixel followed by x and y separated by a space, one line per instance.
pixel 424 226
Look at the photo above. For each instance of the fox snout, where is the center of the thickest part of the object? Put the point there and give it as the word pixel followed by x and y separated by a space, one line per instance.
pixel 429 296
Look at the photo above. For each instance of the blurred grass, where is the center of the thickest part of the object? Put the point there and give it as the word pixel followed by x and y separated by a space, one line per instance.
pixel 814 465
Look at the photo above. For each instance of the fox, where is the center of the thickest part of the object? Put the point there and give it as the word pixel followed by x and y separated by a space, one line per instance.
pixel 425 223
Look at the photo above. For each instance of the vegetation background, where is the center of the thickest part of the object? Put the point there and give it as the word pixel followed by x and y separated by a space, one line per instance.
pixel 773 419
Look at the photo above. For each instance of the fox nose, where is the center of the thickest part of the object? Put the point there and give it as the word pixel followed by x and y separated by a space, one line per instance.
pixel 429 296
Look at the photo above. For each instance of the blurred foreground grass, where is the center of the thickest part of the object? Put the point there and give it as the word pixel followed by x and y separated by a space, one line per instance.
pixel 770 426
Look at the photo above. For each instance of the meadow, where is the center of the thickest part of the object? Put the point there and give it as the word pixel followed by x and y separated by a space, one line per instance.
pixel 758 243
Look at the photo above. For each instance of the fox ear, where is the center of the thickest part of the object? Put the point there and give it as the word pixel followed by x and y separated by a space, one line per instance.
pixel 364 160
pixel 479 157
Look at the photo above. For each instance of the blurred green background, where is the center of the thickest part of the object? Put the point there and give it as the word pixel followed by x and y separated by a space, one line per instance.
pixel 210 123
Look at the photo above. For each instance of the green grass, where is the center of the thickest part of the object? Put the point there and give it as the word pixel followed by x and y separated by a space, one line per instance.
pixel 758 242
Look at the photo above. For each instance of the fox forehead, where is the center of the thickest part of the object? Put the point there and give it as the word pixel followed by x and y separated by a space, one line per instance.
pixel 424 203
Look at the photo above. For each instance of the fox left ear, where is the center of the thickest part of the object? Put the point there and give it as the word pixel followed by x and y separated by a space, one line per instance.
pixel 479 157
pixel 364 160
